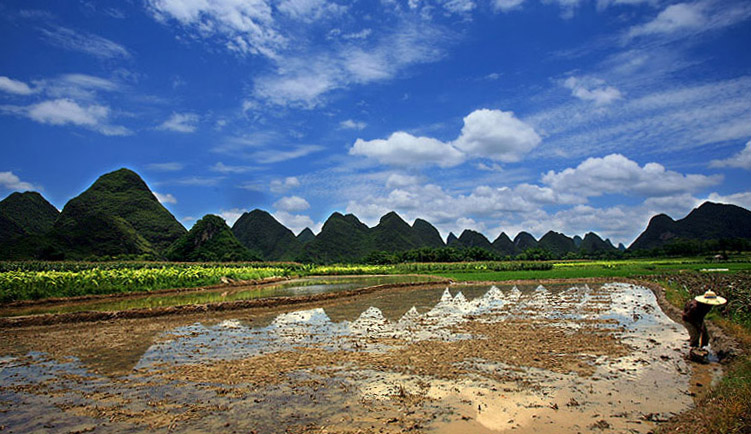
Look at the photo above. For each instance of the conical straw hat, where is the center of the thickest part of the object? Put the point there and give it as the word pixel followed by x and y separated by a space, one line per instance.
pixel 710 297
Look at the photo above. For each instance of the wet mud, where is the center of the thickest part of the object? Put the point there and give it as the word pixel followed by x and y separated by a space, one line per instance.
pixel 468 358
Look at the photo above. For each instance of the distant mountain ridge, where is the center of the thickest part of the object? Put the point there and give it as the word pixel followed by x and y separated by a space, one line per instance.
pixel 119 216
pixel 710 221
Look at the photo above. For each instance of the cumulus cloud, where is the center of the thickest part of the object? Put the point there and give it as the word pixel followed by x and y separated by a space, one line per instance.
pixel 741 160
pixel 165 198
pixel 493 134
pixel 396 180
pixel 497 135
pixel 283 185
pixel 291 204
pixel 14 86
pixel 297 222
pixel 180 123
pixel 10 181
pixel 592 90
pixel 561 202
pixel 742 199
pixel 231 215
pixel 405 150
pixel 617 174
pixel 445 209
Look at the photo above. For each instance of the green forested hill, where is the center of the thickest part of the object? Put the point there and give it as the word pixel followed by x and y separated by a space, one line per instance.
pixel 210 239
pixel 28 212
pixel 710 221
pixel 123 199
pixel 268 239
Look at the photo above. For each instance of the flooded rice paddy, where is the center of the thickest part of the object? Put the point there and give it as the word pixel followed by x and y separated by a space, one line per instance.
pixel 559 358
pixel 292 288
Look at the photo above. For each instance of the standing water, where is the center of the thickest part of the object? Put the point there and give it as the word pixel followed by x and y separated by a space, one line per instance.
pixel 459 359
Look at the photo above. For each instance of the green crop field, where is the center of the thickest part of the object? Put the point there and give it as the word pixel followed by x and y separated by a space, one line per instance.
pixel 38 280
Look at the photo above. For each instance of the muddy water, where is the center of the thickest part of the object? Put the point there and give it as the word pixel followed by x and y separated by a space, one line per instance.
pixel 567 358
pixel 297 287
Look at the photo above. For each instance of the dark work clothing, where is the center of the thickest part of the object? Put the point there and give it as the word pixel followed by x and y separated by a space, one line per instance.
pixel 693 315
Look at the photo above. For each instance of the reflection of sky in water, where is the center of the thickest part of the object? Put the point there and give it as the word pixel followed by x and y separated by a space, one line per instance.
pixel 633 307
pixel 293 288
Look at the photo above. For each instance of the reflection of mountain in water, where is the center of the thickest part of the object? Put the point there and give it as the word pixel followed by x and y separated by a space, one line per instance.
pixel 233 339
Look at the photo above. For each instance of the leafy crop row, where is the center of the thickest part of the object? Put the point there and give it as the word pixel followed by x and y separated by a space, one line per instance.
pixel 24 284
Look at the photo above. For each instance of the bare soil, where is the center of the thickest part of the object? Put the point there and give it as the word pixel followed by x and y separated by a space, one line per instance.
pixel 528 372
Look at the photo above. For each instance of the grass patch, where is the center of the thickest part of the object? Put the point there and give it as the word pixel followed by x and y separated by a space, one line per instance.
pixel 727 408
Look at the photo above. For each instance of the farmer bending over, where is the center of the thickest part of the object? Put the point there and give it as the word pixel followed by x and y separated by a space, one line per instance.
pixel 693 316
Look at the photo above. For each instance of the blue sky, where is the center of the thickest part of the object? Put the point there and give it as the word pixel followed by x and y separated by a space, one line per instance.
pixel 493 115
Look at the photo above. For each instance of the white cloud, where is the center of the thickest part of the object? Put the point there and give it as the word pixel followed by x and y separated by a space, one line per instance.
pixel 247 27
pixel 165 167
pixel 673 18
pixel 65 111
pixel 592 90
pixel 199 181
pixel 285 33
pixel 492 134
pixel 444 209
pixel 88 43
pixel 507 5
pixel 680 118
pixel 268 156
pixel 497 135
pixel 180 123
pixel 165 198
pixel 696 17
pixel 302 79
pixel 617 174
pixel 350 124
pixel 741 160
pixel 231 215
pixel 90 82
pixel 291 204
pixel 310 10
pixel 297 222
pixel 405 150
pixel 396 180
pixel 740 199
pixel 9 181
pixel 283 185
pixel 14 86
pixel 459 6
pixel 223 168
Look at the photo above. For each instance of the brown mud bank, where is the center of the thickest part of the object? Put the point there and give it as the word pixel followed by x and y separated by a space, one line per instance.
pixel 573 357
